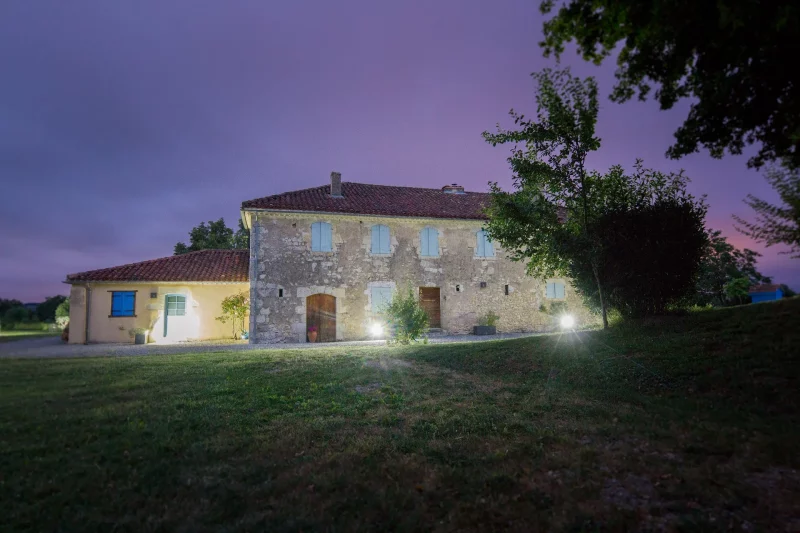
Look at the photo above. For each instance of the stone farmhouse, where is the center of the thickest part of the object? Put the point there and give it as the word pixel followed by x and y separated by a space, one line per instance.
pixel 327 258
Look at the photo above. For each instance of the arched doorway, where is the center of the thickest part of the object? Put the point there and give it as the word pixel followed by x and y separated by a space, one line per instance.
pixel 321 313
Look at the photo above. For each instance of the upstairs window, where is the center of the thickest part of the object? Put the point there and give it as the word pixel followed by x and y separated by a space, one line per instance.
pixel 484 246
pixel 380 239
pixel 381 297
pixel 555 291
pixel 429 242
pixel 321 237
pixel 123 303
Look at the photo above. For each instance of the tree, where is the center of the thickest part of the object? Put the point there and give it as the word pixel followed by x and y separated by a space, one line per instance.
pixel 47 309
pixel 650 237
pixel 215 235
pixel 241 239
pixel 736 290
pixel 16 315
pixel 722 263
pixel 776 224
pixel 234 310
pixel 62 314
pixel 546 220
pixel 406 317
pixel 787 291
pixel 5 305
pixel 735 60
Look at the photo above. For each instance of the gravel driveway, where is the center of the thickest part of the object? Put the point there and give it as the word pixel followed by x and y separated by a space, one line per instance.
pixel 53 347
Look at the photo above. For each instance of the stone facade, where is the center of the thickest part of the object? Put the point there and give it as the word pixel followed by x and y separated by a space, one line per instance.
pixel 284 272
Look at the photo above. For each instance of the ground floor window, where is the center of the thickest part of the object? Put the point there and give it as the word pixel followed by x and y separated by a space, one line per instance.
pixel 555 291
pixel 123 303
pixel 381 297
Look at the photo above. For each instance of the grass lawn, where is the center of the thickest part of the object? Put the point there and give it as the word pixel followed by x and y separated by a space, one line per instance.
pixel 687 424
pixel 13 335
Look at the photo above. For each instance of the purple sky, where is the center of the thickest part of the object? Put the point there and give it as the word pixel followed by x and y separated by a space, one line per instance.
pixel 124 124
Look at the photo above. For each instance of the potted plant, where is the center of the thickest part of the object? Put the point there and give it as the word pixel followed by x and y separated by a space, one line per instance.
pixel 487 325
pixel 312 333
pixel 139 335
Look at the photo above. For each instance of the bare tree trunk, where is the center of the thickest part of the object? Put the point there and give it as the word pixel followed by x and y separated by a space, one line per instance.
pixel 600 294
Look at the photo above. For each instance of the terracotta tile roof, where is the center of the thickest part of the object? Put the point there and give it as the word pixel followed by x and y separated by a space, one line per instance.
pixel 767 287
pixel 387 200
pixel 205 265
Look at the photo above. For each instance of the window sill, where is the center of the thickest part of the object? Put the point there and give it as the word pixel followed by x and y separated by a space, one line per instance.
pixel 380 255
pixel 485 258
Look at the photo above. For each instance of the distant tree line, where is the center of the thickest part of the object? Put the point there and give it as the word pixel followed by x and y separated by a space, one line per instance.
pixel 13 312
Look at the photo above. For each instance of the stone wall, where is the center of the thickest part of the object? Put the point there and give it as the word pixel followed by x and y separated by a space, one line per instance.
pixel 282 263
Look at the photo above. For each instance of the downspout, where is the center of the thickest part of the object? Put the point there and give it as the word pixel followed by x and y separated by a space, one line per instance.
pixel 86 319
pixel 254 225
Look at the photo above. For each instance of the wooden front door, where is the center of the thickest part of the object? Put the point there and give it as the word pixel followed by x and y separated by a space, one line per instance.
pixel 429 301
pixel 321 313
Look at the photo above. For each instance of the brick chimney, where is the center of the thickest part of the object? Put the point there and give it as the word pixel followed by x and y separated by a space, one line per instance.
pixel 453 189
pixel 336 184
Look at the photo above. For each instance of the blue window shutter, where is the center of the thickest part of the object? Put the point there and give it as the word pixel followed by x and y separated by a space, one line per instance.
pixel 321 237
pixel 423 241
pixel 559 290
pixel 376 240
pixel 128 301
pixel 123 303
pixel 484 247
pixel 327 237
pixel 487 245
pixel 430 242
pixel 384 238
pixel 551 290
pixel 380 239
pixel 116 303
pixel 315 237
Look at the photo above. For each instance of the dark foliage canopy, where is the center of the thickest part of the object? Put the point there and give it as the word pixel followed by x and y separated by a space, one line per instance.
pixel 649 256
pixel 736 60
pixel 6 304
pixel 215 236
pixel 46 311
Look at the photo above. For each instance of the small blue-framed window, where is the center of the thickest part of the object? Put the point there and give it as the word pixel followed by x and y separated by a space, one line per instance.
pixel 484 246
pixel 380 240
pixel 555 291
pixel 123 303
pixel 321 237
pixel 429 242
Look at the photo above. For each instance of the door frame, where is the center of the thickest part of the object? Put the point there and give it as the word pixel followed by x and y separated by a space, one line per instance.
pixel 166 316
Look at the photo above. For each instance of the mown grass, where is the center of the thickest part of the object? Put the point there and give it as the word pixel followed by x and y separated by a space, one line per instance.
pixel 689 424
pixel 14 335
